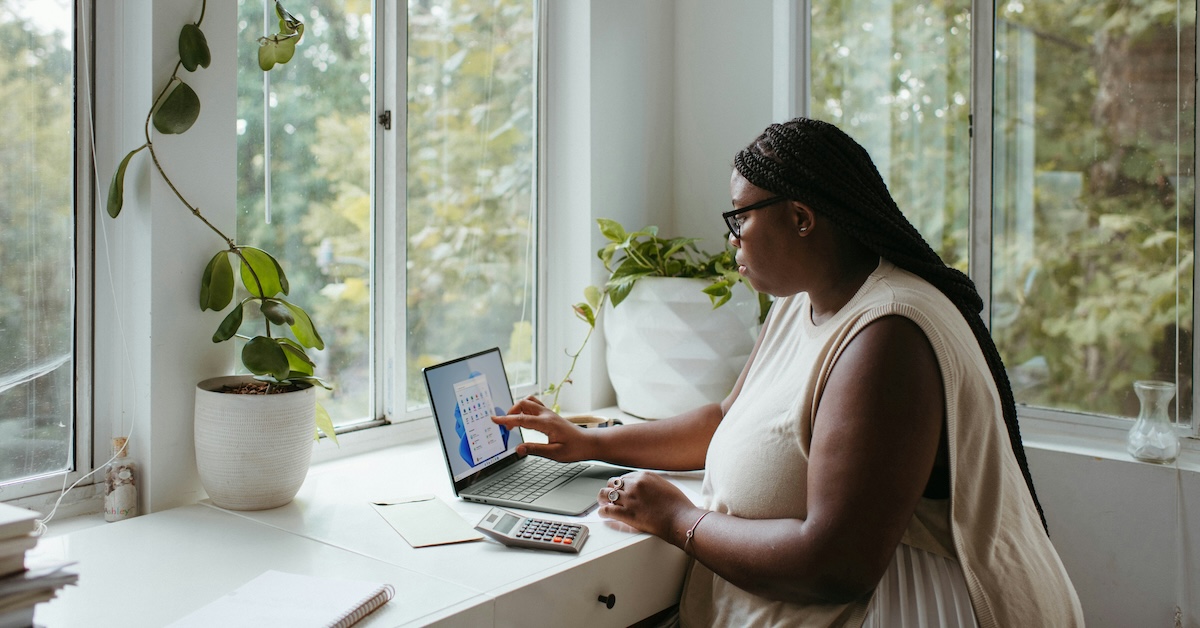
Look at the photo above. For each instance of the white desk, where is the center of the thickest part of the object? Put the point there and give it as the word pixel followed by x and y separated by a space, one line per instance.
pixel 153 569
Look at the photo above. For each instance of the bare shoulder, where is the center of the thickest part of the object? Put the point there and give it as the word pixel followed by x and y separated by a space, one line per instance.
pixel 891 354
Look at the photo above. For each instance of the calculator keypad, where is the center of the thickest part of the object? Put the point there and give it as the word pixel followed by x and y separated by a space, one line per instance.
pixel 548 531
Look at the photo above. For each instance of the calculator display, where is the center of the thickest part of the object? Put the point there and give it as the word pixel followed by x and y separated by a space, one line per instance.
pixel 506 524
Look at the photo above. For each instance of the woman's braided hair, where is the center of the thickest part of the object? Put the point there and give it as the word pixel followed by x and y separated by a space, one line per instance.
pixel 817 164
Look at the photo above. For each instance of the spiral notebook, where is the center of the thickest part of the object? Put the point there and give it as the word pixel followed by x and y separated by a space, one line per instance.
pixel 282 599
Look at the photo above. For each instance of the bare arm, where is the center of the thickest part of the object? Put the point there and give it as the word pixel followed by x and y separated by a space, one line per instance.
pixel 676 444
pixel 875 438
pixel 679 443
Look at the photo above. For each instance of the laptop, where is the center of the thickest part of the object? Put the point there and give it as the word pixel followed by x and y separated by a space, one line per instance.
pixel 482 457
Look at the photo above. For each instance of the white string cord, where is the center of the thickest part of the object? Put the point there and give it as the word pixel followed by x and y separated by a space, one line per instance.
pixel 86 99
pixel 1183 585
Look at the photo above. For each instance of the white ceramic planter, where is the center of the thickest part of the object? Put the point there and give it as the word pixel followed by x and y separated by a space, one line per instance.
pixel 669 351
pixel 252 451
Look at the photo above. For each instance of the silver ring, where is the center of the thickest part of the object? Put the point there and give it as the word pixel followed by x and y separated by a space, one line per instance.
pixel 614 495
pixel 618 483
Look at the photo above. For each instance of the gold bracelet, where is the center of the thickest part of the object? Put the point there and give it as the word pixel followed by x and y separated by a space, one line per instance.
pixel 687 537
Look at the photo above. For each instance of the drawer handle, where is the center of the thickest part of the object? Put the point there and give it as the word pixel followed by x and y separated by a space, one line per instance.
pixel 609 600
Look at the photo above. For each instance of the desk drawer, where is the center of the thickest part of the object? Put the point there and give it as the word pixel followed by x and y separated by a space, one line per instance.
pixel 644 578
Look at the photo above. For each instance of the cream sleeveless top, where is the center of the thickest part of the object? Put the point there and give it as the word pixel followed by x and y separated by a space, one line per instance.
pixel 758 459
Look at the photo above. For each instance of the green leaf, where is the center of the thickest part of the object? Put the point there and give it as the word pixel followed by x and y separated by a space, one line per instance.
pixel 266 268
pixel 325 424
pixel 216 287
pixel 179 111
pixel 278 49
pixel 193 48
pixel 298 361
pixel 264 356
pixel 116 189
pixel 229 325
pixel 276 312
pixel 617 293
pixel 303 328
pixel 593 296
pixel 585 313
pixel 611 229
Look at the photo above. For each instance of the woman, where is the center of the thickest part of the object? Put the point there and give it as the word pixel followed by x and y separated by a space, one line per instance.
pixel 867 465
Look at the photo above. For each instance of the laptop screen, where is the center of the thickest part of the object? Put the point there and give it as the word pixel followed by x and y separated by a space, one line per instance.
pixel 465 394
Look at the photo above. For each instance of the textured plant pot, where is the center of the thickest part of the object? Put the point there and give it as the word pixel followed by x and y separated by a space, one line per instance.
pixel 669 351
pixel 252 451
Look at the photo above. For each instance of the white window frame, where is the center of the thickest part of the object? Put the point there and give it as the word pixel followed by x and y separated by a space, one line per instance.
pixel 1058 428
pixel 41 492
pixel 395 423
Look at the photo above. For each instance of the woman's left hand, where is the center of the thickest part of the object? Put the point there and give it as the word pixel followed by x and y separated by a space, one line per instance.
pixel 646 501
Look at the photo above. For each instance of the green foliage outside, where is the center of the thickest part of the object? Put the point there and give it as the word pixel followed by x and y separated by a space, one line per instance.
pixel 469 265
pixel 320 167
pixel 1092 163
pixel 1105 292
pixel 471 184
pixel 37 237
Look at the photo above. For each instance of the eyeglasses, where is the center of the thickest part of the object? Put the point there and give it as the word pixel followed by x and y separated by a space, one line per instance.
pixel 733 218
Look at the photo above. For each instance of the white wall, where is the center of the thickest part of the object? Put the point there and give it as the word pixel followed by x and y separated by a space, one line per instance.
pixel 723 98
pixel 648 102
pixel 1127 533
pixel 149 260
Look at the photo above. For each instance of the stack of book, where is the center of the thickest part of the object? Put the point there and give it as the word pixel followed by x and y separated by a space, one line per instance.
pixel 21 588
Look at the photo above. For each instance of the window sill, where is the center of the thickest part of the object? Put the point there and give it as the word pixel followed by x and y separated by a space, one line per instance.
pixel 1097 437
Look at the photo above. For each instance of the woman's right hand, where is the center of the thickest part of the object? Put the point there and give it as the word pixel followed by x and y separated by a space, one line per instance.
pixel 566 441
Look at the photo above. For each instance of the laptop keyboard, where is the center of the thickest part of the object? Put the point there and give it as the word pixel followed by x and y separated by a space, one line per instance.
pixel 534 479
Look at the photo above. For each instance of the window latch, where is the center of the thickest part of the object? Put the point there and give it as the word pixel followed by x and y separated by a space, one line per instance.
pixel 385 119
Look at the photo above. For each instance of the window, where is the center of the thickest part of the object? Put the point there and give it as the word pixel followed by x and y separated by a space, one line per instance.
pixel 1094 201
pixel 311 161
pixel 37 241
pixel 1090 156
pixel 899 82
pixel 472 172
pixel 305 180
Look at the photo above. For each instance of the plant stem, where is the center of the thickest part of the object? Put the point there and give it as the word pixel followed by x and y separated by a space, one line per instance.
pixel 233 247
pixel 575 356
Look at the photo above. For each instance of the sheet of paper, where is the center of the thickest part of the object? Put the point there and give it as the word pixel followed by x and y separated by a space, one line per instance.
pixel 425 520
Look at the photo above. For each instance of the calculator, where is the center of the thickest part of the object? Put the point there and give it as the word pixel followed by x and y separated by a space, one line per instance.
pixel 517 530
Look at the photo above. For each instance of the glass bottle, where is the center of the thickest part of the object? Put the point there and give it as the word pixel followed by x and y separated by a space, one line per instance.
pixel 120 484
pixel 1153 438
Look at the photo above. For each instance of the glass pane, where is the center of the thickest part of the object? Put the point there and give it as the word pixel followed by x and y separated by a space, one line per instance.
pixel 472 84
pixel 37 250
pixel 896 76
pixel 317 217
pixel 1093 201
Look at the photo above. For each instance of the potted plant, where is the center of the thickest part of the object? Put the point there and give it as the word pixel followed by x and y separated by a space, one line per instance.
pixel 253 433
pixel 672 346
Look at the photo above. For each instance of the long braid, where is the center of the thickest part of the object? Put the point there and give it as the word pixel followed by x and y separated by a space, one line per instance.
pixel 817 164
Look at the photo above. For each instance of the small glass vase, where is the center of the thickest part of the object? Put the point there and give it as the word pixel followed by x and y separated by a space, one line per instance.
pixel 1153 438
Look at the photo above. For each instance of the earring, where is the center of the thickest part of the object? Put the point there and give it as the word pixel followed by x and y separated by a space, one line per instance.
pixel 803 229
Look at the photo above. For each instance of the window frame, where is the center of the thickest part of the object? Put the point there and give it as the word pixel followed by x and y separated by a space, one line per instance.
pixel 41 492
pixel 792 90
pixel 1062 427
pixel 394 423
pixel 391 226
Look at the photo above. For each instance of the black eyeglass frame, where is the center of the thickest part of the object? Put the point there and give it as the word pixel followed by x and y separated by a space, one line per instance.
pixel 735 226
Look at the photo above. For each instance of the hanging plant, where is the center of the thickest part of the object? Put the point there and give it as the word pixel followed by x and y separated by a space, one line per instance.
pixel 280 362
